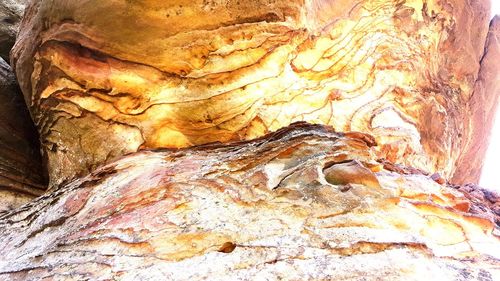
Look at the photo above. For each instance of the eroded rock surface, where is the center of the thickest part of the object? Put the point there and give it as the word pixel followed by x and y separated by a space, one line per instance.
pixel 106 78
pixel 11 12
pixel 22 177
pixel 269 208
pixel 483 106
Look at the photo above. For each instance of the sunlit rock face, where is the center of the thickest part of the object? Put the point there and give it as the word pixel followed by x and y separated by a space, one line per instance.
pixel 106 78
pixel 303 203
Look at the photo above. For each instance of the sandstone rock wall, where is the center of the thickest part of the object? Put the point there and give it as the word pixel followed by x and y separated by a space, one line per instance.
pixel 304 203
pixel 107 78
pixel 127 94
pixel 11 12
pixel 483 107
pixel 22 177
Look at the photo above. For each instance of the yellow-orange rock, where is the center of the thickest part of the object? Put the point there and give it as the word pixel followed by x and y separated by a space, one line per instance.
pixel 145 85
pixel 106 78
pixel 259 210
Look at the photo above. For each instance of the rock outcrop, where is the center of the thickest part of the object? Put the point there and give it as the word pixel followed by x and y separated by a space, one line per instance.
pixel 22 177
pixel 11 12
pixel 104 79
pixel 304 203
pixel 248 140
pixel 483 105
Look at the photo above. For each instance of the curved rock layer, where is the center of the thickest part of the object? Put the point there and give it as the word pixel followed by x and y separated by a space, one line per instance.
pixel 21 174
pixel 106 78
pixel 304 203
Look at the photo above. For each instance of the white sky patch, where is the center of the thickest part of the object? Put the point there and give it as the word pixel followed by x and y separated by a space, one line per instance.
pixel 495 7
pixel 490 177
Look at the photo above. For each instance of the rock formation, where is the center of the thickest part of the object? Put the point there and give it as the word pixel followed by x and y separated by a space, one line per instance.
pixel 304 203
pixel 21 173
pixel 100 85
pixel 482 107
pixel 251 140
pixel 11 12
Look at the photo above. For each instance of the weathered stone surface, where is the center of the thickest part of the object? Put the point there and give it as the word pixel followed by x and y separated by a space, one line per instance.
pixel 259 210
pixel 483 105
pixel 21 173
pixel 11 12
pixel 106 78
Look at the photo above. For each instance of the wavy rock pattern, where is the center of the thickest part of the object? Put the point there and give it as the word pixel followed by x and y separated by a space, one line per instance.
pixel 114 81
pixel 262 210
pixel 108 78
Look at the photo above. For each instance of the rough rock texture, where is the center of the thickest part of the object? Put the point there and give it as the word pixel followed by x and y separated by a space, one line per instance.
pixel 21 174
pixel 304 203
pixel 482 105
pixel 268 200
pixel 11 12
pixel 106 78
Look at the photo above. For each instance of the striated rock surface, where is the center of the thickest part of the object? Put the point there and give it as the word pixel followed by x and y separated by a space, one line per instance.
pixel 304 203
pixel 168 130
pixel 21 174
pixel 107 78
pixel 483 105
pixel 11 12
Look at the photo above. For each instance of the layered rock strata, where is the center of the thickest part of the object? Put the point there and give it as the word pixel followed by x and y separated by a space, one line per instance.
pixel 304 203
pixel 104 79
pixel 22 177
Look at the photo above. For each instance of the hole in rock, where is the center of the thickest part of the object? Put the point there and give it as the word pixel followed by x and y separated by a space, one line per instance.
pixel 227 247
